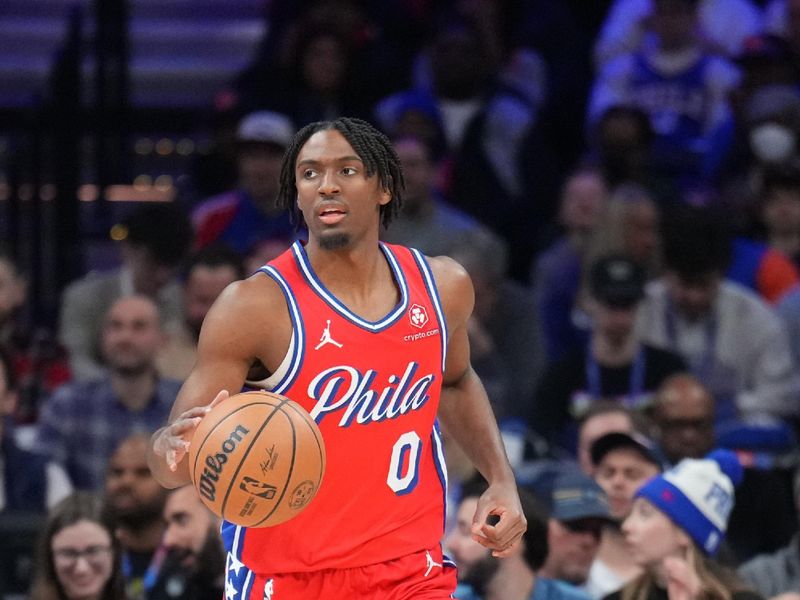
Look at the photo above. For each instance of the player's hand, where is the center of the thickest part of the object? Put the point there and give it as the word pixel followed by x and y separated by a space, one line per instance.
pixel 172 441
pixel 683 583
pixel 500 506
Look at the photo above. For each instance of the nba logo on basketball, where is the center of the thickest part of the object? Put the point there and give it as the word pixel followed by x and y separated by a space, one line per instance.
pixel 418 315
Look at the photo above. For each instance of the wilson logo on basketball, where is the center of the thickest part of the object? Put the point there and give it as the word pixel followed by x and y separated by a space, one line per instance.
pixel 216 463
pixel 418 316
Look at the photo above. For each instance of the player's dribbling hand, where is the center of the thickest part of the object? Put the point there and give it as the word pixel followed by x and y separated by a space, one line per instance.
pixel 499 523
pixel 172 441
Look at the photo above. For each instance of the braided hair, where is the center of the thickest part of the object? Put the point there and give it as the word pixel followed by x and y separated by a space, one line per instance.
pixel 371 146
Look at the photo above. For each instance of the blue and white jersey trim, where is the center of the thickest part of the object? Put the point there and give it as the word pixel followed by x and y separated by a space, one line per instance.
pixel 433 292
pixel 238 578
pixel 298 339
pixel 333 302
pixel 441 466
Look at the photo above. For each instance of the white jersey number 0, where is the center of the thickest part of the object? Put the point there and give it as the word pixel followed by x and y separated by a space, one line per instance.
pixel 405 453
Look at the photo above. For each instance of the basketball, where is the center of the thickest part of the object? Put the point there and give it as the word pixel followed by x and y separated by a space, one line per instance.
pixel 257 459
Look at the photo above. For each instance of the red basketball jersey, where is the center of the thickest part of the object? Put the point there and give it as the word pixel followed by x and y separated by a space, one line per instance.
pixel 373 388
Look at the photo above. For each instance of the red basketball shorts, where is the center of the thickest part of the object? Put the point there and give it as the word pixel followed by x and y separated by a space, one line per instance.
pixel 419 576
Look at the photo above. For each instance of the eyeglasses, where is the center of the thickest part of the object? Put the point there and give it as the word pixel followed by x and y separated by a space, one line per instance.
pixel 68 557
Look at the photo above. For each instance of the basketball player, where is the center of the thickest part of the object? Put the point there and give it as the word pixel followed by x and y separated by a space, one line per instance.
pixel 368 338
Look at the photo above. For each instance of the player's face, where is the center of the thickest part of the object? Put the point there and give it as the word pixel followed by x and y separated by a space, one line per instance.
pixel 620 474
pixel 340 204
pixel 188 524
pixel 651 536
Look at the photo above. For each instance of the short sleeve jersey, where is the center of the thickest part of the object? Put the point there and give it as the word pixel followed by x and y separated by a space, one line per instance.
pixel 373 388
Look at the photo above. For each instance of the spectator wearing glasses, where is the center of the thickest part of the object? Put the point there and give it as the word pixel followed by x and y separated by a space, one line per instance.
pixel 683 415
pixel 79 556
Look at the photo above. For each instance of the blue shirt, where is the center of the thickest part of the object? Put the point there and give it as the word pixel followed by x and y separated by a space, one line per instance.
pixel 553 589
pixel 83 423
pixel 543 589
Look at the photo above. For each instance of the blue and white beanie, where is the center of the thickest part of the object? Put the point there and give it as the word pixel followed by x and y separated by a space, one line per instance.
pixel 697 495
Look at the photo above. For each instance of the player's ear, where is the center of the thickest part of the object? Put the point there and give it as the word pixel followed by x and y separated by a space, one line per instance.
pixel 386 197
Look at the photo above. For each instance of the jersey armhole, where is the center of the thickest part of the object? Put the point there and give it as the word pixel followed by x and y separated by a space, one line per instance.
pixel 286 373
pixel 271 382
pixel 433 294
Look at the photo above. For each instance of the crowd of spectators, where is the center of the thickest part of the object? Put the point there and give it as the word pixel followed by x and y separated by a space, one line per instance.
pixel 632 228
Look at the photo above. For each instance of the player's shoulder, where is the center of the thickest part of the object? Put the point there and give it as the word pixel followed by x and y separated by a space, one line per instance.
pixel 453 284
pixel 250 297
pixel 448 272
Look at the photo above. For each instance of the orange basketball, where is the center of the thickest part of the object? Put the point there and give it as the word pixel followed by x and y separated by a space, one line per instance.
pixel 257 459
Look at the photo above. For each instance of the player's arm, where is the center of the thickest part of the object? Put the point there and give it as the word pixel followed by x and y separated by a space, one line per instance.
pixel 466 416
pixel 227 347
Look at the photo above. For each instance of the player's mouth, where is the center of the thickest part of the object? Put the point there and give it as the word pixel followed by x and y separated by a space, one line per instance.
pixel 331 215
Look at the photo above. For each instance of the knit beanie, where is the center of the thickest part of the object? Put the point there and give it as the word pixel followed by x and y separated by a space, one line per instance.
pixel 697 495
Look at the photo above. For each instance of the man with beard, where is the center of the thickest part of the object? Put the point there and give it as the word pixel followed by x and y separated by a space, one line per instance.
pixel 194 567
pixel 84 421
pixel 482 576
pixel 136 500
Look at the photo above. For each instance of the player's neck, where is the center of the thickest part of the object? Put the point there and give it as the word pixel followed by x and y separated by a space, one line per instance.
pixel 359 277
pixel 360 263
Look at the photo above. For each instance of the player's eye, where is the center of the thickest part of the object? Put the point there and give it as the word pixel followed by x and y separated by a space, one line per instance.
pixel 349 171
pixel 308 173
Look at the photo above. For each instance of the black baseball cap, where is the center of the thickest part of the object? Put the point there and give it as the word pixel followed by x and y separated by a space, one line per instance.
pixel 616 281
pixel 618 439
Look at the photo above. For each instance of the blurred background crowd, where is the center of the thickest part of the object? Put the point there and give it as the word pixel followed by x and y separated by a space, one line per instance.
pixel 621 179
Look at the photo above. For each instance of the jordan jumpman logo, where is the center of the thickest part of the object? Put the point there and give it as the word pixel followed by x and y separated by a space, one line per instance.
pixel 431 563
pixel 326 338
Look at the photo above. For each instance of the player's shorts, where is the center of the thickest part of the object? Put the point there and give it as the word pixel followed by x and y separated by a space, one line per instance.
pixel 424 575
